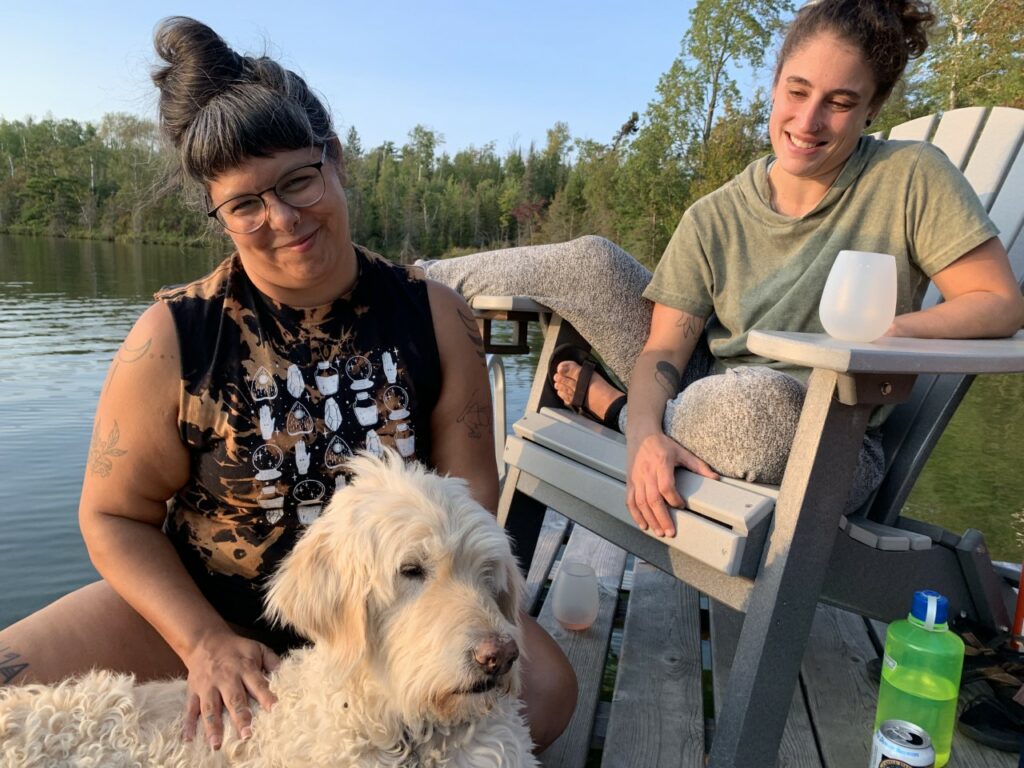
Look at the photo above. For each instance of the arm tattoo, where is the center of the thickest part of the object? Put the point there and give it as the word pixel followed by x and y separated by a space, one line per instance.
pixel 127 355
pixel 691 325
pixel 476 418
pixel 667 375
pixel 10 666
pixel 102 451
pixel 473 333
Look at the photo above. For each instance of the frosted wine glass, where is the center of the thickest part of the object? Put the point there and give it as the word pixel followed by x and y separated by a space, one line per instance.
pixel 575 596
pixel 859 300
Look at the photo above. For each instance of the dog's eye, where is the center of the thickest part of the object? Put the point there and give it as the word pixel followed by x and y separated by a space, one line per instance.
pixel 412 571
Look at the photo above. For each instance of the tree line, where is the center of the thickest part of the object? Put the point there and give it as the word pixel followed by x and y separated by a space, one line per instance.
pixel 68 178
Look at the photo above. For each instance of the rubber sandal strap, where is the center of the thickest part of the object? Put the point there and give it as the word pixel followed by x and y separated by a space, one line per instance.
pixel 611 416
pixel 579 394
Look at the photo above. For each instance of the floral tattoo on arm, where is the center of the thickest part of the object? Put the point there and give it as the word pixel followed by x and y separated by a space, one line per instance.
pixel 102 451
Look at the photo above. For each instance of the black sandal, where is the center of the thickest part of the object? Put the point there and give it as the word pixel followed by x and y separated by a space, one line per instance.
pixel 588 365
pixel 993 722
pixel 994 718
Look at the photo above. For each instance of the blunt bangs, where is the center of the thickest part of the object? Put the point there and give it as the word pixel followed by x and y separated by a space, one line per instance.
pixel 241 123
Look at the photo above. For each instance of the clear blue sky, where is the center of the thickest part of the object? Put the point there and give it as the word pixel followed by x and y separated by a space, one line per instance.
pixel 476 72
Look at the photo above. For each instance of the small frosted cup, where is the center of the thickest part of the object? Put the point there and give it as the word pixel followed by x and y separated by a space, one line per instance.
pixel 859 300
pixel 574 596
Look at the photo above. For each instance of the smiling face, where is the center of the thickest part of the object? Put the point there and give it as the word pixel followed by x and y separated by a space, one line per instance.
pixel 302 257
pixel 821 104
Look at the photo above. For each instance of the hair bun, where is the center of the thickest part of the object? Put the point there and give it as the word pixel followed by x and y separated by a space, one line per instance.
pixel 217 108
pixel 200 65
pixel 917 17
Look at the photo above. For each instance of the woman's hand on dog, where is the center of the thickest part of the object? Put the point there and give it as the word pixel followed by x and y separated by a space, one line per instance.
pixel 225 670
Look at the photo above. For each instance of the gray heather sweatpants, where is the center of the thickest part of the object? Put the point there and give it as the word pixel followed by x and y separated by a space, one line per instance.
pixel 741 422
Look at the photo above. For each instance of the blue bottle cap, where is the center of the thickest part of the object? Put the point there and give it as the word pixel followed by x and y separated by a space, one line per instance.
pixel 930 607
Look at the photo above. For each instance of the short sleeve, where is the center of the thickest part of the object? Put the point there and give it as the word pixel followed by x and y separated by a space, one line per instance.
pixel 945 217
pixel 683 278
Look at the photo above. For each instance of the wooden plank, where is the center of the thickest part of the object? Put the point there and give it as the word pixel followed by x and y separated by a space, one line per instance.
pixel 997 147
pixel 957 131
pixel 586 650
pixel 715 545
pixel 496 304
pixel 731 590
pixel 549 541
pixel 841 696
pixel 657 715
pixel 798 748
pixel 1007 211
pixel 892 355
pixel 588 443
pixel 914 130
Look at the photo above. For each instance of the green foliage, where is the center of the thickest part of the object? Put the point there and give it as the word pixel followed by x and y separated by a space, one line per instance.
pixel 65 178
pixel 976 57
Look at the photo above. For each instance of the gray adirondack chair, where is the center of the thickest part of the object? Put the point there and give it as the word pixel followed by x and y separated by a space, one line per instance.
pixel 772 553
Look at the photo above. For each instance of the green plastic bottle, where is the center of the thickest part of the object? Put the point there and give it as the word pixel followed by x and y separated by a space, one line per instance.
pixel 921 672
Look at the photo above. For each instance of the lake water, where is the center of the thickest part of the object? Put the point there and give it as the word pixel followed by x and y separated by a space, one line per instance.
pixel 66 305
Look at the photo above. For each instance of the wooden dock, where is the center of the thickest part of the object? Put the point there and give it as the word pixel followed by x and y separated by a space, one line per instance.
pixel 650 677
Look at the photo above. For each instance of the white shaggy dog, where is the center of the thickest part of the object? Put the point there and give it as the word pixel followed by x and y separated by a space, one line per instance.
pixel 410 593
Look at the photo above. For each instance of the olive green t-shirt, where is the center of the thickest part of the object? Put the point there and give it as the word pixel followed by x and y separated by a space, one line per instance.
pixel 756 269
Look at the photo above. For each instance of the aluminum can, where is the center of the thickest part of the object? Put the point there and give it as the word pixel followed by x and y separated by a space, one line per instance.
pixel 899 744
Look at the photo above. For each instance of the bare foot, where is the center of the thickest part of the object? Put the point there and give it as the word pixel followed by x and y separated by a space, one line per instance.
pixel 600 395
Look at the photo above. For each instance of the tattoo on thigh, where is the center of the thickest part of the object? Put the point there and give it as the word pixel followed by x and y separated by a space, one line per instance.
pixel 102 451
pixel 667 375
pixel 476 417
pixel 127 355
pixel 691 325
pixel 10 665
pixel 474 334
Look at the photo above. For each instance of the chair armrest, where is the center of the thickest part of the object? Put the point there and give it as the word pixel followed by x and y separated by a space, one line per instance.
pixel 516 309
pixel 483 304
pixel 891 355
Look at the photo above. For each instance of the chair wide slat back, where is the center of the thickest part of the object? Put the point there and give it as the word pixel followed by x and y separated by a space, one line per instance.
pixel 990 152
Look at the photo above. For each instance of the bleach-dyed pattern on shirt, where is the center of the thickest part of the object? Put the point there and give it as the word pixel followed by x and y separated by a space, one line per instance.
pixel 274 399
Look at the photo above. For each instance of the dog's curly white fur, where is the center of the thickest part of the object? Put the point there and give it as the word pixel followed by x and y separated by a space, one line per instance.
pixel 410 593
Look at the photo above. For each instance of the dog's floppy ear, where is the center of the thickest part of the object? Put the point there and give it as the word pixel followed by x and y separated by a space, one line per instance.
pixel 316 592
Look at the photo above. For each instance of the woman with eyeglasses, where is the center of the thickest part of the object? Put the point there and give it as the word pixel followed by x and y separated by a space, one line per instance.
pixel 226 418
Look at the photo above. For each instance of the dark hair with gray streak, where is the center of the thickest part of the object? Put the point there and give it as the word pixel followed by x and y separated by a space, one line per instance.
pixel 888 33
pixel 218 108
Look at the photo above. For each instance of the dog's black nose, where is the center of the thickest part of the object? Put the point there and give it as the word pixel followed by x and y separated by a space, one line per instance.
pixel 496 654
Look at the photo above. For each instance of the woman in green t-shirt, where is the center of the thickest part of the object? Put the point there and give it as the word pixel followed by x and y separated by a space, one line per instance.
pixel 755 254
pixel 775 229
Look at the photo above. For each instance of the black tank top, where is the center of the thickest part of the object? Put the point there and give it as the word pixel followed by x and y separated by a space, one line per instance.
pixel 273 400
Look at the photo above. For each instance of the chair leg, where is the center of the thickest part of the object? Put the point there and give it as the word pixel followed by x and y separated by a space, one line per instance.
pixel 519 514
pixel 782 604
pixel 522 517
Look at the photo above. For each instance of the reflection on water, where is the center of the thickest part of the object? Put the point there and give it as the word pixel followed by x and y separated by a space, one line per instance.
pixel 65 307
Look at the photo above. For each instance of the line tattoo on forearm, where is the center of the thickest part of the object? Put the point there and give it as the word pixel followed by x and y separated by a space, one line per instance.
pixel 101 450
pixel 691 325
pixel 11 665
pixel 474 334
pixel 128 355
pixel 667 376
pixel 476 417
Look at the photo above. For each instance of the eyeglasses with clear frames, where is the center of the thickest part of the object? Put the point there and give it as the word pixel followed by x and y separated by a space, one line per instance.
pixel 299 188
